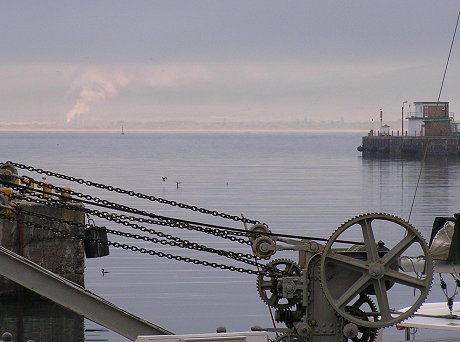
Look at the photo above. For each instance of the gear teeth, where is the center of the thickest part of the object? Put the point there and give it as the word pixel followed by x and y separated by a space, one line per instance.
pixel 292 268
pixel 373 333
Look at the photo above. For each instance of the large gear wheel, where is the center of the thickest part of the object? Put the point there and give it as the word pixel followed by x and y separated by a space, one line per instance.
pixel 346 276
pixel 268 287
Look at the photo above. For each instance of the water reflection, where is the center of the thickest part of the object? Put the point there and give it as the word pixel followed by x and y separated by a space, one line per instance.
pixel 37 319
pixel 413 189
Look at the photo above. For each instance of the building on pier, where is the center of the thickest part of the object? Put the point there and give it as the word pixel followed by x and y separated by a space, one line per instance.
pixel 431 130
pixel 431 119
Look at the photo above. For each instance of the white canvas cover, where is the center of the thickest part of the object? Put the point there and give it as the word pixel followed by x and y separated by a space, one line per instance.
pixel 442 241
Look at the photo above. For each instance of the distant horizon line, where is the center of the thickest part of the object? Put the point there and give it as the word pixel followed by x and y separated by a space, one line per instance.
pixel 305 125
pixel 136 131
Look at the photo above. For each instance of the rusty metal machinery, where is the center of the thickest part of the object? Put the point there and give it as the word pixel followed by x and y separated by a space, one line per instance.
pixel 335 292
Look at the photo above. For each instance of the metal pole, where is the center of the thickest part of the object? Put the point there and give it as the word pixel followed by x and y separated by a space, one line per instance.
pixel 402 118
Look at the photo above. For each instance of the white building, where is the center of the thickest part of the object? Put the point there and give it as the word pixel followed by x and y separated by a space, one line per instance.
pixel 430 119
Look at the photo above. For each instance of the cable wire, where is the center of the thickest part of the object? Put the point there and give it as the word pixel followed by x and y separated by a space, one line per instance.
pixel 437 105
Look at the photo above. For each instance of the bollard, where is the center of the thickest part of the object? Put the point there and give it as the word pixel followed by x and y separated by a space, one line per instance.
pixel 7 337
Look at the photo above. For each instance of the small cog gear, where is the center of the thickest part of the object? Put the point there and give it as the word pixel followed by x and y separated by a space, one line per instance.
pixel 268 285
pixel 366 334
pixel 364 299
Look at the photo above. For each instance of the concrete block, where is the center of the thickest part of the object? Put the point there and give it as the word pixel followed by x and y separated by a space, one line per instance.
pixel 61 255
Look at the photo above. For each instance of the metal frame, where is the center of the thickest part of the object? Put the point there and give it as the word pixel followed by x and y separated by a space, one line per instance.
pixel 74 297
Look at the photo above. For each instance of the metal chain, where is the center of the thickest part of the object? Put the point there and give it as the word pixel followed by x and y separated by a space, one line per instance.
pixel 92 200
pixel 175 241
pixel 171 223
pixel 134 248
pixel 133 193
pixel 46 196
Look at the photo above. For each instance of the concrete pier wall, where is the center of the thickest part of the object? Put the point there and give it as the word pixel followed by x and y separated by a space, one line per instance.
pixel 64 256
pixel 406 146
pixel 40 320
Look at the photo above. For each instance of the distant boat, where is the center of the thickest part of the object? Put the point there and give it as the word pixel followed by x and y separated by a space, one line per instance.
pixel 122 130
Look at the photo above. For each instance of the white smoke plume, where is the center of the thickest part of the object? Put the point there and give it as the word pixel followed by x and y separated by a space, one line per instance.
pixel 95 86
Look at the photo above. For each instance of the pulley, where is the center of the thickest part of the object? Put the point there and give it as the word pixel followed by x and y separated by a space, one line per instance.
pixel 263 247
pixel 260 229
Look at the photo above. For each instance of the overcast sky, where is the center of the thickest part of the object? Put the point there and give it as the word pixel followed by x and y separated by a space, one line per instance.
pixel 62 61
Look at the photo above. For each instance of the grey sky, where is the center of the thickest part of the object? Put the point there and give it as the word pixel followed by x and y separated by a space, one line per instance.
pixel 63 61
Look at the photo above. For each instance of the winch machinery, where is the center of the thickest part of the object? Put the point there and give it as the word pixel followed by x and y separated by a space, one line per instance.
pixel 334 293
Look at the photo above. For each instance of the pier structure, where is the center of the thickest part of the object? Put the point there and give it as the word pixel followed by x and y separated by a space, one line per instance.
pixel 44 241
pixel 406 146
pixel 431 131
pixel 25 314
pixel 64 256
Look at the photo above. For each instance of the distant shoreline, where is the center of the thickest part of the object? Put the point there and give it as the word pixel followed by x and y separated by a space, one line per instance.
pixel 185 131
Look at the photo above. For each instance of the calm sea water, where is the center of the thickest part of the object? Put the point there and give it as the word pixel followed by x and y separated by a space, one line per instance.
pixel 298 183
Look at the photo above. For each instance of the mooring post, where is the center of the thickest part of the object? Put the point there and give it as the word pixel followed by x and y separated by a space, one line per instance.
pixel 7 337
